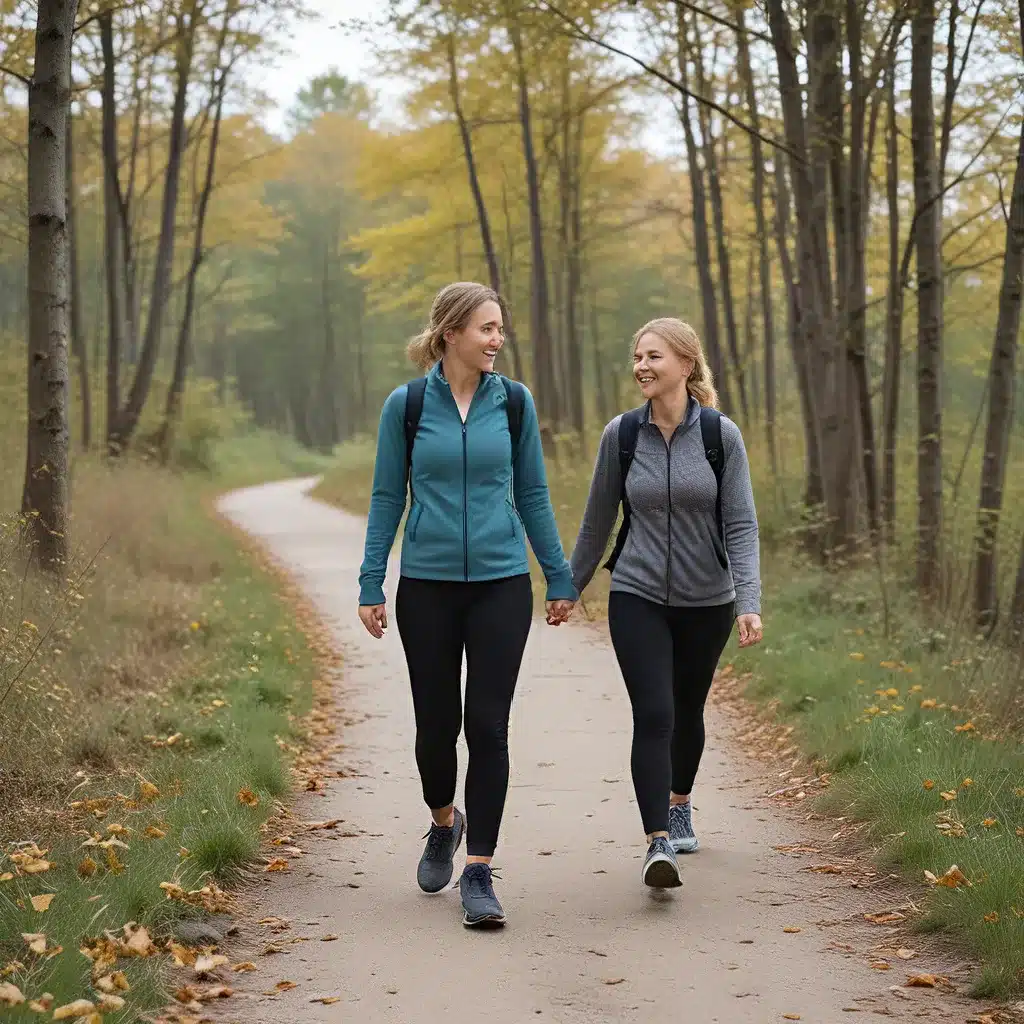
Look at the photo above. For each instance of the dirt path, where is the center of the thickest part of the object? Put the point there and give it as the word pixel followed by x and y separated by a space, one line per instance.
pixel 585 941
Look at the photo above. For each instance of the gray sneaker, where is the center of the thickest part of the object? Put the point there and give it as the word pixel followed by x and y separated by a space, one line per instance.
pixel 661 870
pixel 680 828
pixel 480 906
pixel 436 867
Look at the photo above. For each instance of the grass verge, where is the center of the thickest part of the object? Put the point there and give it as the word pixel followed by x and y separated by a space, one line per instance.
pixel 918 733
pixel 149 733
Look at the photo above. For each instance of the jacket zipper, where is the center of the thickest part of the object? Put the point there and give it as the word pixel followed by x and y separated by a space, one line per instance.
pixel 465 503
pixel 668 480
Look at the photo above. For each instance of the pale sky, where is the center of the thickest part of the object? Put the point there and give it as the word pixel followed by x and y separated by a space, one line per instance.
pixel 316 45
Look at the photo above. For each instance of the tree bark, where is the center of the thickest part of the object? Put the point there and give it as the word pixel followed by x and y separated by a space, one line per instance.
pixel 893 316
pixel 484 221
pixel 761 221
pixel 701 237
pixel 1002 379
pixel 574 279
pixel 182 351
pixel 78 346
pixel 45 494
pixel 128 417
pixel 540 326
pixel 928 234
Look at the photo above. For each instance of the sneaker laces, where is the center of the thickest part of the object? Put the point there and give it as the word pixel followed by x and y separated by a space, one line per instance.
pixel 478 882
pixel 436 838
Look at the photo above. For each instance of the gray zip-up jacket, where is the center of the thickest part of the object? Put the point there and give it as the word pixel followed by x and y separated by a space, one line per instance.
pixel 673 552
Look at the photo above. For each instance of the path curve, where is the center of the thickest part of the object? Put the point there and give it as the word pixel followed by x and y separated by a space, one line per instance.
pixel 585 942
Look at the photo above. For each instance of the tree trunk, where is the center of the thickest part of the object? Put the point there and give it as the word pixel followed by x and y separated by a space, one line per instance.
pixel 172 407
pixel 327 418
pixel 928 235
pixel 484 221
pixel 45 495
pixel 814 324
pixel 761 220
pixel 111 220
pixel 708 147
pixel 701 238
pixel 128 417
pixel 1002 379
pixel 574 278
pixel 78 346
pixel 540 327
pixel 893 316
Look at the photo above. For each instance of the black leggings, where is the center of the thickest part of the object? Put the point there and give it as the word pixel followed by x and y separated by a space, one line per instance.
pixel 668 658
pixel 437 621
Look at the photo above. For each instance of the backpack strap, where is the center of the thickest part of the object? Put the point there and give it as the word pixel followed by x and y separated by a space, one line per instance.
pixel 415 390
pixel 629 430
pixel 714 451
pixel 515 402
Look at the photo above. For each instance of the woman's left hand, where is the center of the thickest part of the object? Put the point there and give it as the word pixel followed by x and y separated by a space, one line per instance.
pixel 750 629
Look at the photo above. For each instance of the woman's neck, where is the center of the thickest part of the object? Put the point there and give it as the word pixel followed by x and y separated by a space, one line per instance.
pixel 669 410
pixel 462 379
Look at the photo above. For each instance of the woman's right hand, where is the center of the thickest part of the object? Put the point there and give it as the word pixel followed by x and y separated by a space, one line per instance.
pixel 375 618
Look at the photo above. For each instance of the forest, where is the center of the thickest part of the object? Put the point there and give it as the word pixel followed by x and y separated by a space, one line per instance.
pixel 831 192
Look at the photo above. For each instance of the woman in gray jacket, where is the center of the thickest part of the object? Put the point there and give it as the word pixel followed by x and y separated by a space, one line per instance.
pixel 684 567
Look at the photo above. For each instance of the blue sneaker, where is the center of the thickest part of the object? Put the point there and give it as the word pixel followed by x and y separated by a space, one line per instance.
pixel 661 870
pixel 480 905
pixel 680 828
pixel 436 865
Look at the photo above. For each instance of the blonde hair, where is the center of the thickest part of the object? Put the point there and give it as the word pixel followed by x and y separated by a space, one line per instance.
pixel 683 340
pixel 450 311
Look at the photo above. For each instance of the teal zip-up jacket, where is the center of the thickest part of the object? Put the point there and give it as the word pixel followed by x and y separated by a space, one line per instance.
pixel 471 510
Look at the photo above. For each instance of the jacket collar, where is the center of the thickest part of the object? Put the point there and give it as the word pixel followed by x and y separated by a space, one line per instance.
pixel 691 417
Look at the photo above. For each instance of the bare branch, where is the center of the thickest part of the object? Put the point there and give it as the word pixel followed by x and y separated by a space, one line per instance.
pixel 16 74
pixel 583 35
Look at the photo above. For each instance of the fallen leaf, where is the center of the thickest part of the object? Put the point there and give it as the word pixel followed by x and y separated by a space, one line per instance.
pixel 79 1008
pixel 966 727
pixel 42 902
pixel 989 822
pixel 921 981
pixel 184 956
pixel 954 878
pixel 826 869
pixel 138 942
pixel 929 703
pixel 929 783
pixel 10 995
pixel 7 876
pixel 329 938
pixel 44 1004
pixel 948 795
pixel 856 656
pixel 880 965
pixel 36 941
pixel 205 964
pixel 330 823
pixel 614 981
pixel 111 1003
pixel 248 798
pixel 147 791
pixel 110 983
pixel 992 918
pixel 791 1016
pixel 906 954
pixel 285 986
pixel 152 832
pixel 885 918
pixel 88 868
pixel 277 864
pixel 244 967
pixel 791 929
pixel 326 1000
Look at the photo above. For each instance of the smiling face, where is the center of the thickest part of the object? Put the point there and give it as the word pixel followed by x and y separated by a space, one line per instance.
pixel 479 342
pixel 657 368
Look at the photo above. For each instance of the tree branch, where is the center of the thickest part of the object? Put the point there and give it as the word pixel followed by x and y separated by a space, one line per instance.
pixel 724 22
pixel 15 74
pixel 585 36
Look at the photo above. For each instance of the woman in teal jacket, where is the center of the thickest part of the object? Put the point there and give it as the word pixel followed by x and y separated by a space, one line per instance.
pixel 478 490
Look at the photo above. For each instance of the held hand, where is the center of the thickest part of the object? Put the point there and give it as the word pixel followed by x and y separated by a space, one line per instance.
pixel 375 618
pixel 750 629
pixel 558 611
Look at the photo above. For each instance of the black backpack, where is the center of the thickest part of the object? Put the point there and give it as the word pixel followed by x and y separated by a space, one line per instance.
pixel 711 437
pixel 416 389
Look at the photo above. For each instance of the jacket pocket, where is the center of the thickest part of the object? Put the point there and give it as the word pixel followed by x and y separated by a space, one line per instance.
pixel 716 543
pixel 414 519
